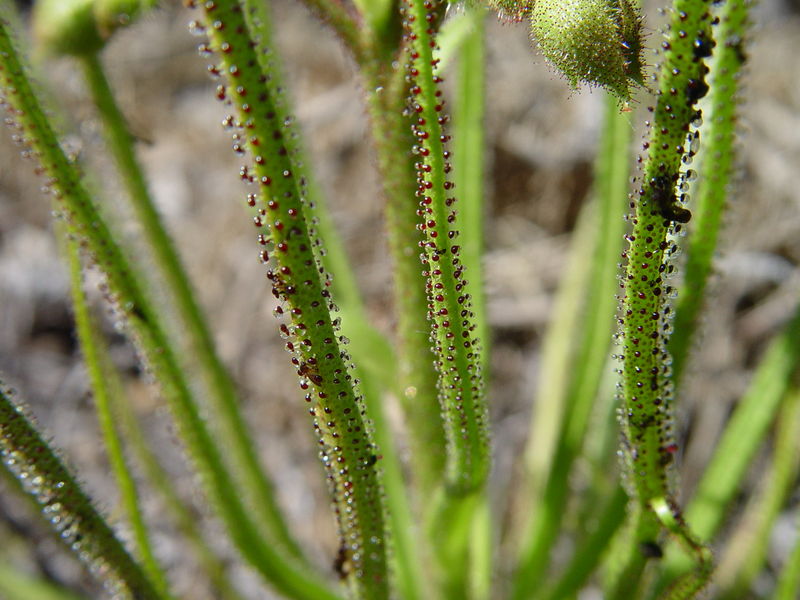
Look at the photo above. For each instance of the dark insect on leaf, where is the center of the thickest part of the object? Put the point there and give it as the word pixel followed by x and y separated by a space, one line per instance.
pixel 651 550
pixel 663 194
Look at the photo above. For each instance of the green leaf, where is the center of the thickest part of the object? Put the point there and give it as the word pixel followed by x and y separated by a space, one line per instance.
pixel 263 126
pixel 44 477
pixel 456 346
pixel 105 385
pixel 16 585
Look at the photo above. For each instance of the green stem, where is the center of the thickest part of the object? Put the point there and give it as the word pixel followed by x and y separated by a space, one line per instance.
pixel 103 387
pixel 187 521
pixel 645 381
pixel 402 531
pixel 468 165
pixel 587 557
pixel 300 282
pixel 631 551
pixel 416 378
pixel 453 521
pixel 456 346
pixel 746 550
pixel 789 579
pixel 481 550
pixel 115 413
pixel 648 448
pixel 234 432
pixel 133 307
pixel 373 353
pixel 64 504
pixel 457 354
pixel 713 186
pixel 260 23
pixel 576 351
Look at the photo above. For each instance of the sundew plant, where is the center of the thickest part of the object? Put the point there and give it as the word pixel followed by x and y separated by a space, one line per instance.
pixel 402 406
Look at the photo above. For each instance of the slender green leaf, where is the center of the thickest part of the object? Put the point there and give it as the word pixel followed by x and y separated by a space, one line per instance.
pixel 456 346
pixel 712 188
pixel 746 551
pixel 144 324
pixel 187 520
pixel 415 385
pixel 576 349
pixel 313 337
pixel 104 385
pixel 16 585
pixel 745 432
pixel 69 511
pixel 586 558
pixel 230 426
pixel 789 580
pixel 469 149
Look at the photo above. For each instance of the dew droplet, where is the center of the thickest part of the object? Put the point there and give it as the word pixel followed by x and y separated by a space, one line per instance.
pixel 196 28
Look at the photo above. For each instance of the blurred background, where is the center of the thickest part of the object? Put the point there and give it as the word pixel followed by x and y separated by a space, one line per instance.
pixel 541 143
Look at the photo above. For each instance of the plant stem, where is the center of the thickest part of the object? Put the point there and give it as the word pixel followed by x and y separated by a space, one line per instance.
pixel 645 381
pixel 374 355
pixel 186 520
pixel 746 550
pixel 457 348
pixel 712 188
pixel 468 165
pixel 300 282
pixel 452 523
pixel 64 504
pixel 647 447
pixel 416 384
pixel 630 553
pixel 586 558
pixel 576 348
pixel 104 386
pixel 134 309
pixel 233 430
